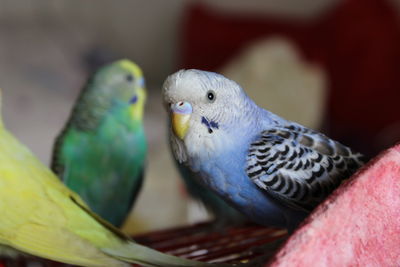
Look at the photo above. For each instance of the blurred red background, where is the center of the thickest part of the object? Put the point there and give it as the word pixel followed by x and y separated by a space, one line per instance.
pixel 357 42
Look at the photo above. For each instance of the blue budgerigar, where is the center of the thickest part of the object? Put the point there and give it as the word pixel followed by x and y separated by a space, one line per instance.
pixel 273 170
pixel 223 213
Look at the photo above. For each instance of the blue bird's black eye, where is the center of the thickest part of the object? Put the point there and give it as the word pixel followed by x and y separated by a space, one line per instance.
pixel 129 77
pixel 211 96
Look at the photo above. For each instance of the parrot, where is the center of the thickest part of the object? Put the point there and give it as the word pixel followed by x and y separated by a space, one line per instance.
pixel 101 152
pixel 273 170
pixel 224 214
pixel 41 216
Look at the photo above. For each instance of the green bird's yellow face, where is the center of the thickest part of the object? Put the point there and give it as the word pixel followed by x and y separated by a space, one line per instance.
pixel 123 82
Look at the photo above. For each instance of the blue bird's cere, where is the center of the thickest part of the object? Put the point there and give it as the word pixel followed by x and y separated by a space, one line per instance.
pixel 273 170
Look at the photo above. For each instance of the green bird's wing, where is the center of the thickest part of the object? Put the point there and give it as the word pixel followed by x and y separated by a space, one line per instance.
pixel 86 116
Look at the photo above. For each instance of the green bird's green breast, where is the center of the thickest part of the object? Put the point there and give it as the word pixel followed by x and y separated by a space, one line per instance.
pixel 105 166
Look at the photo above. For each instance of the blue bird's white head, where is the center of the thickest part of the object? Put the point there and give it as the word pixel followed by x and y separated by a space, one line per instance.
pixel 204 106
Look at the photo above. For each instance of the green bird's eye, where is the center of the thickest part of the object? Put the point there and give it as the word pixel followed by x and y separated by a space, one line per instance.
pixel 211 96
pixel 129 77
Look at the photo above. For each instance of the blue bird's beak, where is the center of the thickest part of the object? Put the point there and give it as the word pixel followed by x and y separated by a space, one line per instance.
pixel 180 117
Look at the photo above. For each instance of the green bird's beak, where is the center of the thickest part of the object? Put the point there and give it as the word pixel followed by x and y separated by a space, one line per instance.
pixel 181 113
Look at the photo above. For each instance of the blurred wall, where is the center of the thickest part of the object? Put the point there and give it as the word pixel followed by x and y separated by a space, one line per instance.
pixel 145 30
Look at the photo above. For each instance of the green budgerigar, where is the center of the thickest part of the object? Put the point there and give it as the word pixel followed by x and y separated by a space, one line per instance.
pixel 101 152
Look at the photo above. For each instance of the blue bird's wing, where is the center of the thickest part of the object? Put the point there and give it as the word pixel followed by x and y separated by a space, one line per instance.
pixel 298 166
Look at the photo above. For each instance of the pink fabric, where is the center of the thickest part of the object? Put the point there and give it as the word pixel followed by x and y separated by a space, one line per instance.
pixel 358 225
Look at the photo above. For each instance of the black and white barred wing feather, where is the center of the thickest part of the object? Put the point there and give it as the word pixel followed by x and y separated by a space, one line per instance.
pixel 298 166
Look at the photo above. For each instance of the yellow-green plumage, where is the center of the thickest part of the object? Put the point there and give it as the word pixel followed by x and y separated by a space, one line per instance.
pixel 42 217
pixel 101 152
